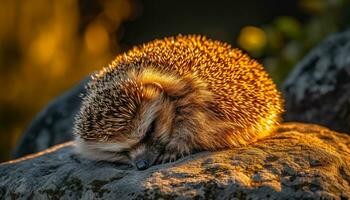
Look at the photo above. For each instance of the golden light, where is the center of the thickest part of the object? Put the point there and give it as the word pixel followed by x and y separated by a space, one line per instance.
pixel 117 10
pixel 96 39
pixel 43 48
pixel 46 47
pixel 252 38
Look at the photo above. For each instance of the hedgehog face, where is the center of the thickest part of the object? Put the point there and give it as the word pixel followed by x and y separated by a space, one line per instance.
pixel 120 123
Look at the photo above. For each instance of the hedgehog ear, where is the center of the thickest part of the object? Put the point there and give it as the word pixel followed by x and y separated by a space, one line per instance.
pixel 161 82
pixel 154 85
pixel 152 90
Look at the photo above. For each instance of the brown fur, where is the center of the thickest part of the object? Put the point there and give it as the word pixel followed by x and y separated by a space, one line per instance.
pixel 169 98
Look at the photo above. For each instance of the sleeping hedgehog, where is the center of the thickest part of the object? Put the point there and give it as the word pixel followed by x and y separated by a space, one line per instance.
pixel 172 97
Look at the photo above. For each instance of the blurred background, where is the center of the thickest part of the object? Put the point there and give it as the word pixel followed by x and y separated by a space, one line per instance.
pixel 46 47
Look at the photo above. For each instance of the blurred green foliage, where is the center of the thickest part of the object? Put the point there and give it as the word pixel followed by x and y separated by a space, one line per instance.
pixel 283 42
pixel 48 46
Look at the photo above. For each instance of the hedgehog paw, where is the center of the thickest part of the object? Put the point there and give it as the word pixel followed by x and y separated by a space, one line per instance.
pixel 167 157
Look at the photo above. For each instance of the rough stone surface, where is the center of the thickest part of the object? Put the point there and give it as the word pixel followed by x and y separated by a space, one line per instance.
pixel 53 125
pixel 300 161
pixel 318 90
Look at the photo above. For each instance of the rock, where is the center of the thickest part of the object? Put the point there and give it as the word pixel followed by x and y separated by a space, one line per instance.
pixel 300 161
pixel 318 89
pixel 53 125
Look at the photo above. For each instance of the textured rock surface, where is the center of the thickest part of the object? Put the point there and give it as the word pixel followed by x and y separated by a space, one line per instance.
pixel 53 125
pixel 300 161
pixel 318 90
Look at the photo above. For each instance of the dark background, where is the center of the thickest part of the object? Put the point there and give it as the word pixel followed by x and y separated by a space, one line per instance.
pixel 48 46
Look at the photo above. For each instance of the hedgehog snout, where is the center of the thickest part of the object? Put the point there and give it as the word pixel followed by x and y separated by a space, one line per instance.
pixel 141 164
pixel 144 156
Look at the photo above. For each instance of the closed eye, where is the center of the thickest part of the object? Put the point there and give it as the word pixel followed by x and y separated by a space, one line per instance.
pixel 124 152
pixel 125 155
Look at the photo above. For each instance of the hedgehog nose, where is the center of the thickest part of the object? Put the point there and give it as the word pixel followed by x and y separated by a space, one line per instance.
pixel 141 164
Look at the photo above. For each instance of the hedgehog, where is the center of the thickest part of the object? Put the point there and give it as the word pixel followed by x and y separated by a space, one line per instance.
pixel 172 97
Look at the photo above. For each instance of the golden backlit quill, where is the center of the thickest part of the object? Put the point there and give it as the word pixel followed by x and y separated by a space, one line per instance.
pixel 172 97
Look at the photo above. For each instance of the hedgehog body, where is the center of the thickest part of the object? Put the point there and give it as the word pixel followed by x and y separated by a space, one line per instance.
pixel 172 97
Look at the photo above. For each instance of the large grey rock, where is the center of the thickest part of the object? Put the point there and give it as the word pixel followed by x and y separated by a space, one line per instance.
pixel 299 162
pixel 54 124
pixel 318 90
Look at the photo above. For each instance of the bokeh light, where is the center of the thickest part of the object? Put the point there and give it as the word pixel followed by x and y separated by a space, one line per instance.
pixel 45 48
pixel 252 39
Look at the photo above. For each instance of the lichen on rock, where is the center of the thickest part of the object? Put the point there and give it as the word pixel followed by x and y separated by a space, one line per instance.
pixel 299 161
